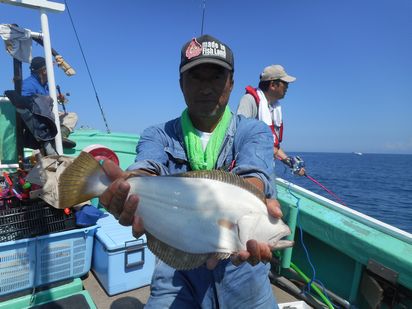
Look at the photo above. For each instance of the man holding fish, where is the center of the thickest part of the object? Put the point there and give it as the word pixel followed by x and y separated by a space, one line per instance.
pixel 206 137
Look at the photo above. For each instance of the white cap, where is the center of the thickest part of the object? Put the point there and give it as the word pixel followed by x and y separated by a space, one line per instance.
pixel 274 72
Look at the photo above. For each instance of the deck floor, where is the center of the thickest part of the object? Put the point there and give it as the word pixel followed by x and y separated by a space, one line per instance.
pixel 137 298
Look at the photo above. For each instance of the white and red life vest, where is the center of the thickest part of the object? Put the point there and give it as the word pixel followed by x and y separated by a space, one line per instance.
pixel 276 131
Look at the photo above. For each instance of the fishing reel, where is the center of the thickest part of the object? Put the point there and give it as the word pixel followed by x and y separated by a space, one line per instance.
pixel 62 99
pixel 295 164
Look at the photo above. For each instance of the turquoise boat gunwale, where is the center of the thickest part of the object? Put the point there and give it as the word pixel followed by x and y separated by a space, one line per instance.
pixel 352 239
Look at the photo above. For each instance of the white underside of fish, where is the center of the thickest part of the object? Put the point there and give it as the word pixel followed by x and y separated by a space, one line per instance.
pixel 187 217
pixel 198 215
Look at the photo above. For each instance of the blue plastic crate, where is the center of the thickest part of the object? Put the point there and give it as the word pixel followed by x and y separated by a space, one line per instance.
pixel 120 261
pixel 33 262
pixel 17 262
pixel 64 255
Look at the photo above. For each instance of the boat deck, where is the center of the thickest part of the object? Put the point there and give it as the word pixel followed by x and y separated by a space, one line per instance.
pixel 137 298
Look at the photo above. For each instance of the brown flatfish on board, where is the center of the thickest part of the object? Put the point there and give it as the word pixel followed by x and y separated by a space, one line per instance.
pixel 187 217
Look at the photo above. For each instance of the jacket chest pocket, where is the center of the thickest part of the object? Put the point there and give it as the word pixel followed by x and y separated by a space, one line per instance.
pixel 177 159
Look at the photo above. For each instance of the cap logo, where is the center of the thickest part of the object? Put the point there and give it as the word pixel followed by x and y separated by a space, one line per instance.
pixel 194 49
pixel 214 49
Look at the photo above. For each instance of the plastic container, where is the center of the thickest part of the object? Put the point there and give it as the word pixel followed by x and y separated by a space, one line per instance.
pixel 28 300
pixel 17 264
pixel 45 259
pixel 19 219
pixel 120 262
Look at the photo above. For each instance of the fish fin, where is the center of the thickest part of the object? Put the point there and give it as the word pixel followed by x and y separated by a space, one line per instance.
pixel 79 181
pixel 222 256
pixel 176 258
pixel 226 177
pixel 283 244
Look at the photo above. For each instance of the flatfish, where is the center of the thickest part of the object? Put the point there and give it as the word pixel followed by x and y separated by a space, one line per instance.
pixel 187 217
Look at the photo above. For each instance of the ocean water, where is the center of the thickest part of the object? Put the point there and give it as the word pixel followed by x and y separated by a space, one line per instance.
pixel 379 185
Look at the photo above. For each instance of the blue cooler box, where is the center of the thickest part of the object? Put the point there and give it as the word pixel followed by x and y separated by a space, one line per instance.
pixel 120 261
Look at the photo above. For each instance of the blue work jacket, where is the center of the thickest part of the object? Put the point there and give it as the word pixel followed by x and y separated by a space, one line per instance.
pixel 31 85
pixel 247 150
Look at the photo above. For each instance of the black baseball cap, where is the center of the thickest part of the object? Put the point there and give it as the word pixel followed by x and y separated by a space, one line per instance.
pixel 37 63
pixel 206 49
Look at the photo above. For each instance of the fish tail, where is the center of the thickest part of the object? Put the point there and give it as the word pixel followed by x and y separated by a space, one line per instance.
pixel 81 181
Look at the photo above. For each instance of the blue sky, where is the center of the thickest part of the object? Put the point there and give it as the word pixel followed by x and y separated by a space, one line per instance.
pixel 352 60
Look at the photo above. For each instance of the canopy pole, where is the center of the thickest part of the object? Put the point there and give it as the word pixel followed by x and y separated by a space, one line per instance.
pixel 17 79
pixel 50 76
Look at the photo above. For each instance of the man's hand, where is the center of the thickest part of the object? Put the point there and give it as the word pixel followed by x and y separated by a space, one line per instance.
pixel 255 252
pixel 296 164
pixel 302 171
pixel 116 201
pixel 61 98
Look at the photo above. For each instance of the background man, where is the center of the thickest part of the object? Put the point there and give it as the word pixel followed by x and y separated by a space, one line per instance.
pixel 36 83
pixel 263 103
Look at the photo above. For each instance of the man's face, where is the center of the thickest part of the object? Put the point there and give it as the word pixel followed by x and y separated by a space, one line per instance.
pixel 43 75
pixel 280 88
pixel 206 89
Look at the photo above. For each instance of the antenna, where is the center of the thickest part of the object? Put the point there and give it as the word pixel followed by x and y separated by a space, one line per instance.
pixel 203 16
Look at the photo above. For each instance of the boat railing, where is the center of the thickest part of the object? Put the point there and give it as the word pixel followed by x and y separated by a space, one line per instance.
pixel 351 213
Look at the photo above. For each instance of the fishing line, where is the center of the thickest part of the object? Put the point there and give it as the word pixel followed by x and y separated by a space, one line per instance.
pixel 314 181
pixel 326 189
pixel 301 235
pixel 313 279
pixel 87 67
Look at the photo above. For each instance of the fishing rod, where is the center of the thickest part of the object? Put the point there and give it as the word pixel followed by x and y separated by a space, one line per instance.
pixel 61 99
pixel 296 164
pixel 61 62
pixel 88 70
